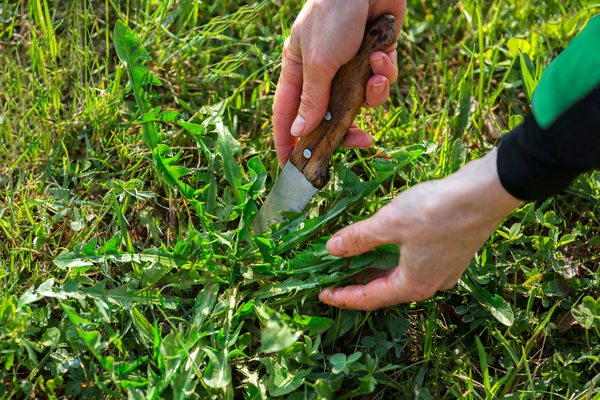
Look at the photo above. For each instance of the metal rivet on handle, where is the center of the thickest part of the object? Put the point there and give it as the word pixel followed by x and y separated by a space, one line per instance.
pixel 306 153
pixel 327 116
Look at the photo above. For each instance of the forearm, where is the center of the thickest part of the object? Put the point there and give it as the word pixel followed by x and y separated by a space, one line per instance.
pixel 479 192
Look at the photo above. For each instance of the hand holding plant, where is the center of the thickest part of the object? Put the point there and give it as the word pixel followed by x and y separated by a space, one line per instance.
pixel 437 225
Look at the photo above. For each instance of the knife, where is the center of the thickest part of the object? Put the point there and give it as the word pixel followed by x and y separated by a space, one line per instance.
pixel 307 170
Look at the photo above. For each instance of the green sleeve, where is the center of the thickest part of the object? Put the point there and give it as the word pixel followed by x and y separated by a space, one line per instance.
pixel 570 77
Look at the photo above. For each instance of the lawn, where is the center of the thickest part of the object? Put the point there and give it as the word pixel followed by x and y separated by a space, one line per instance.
pixel 136 148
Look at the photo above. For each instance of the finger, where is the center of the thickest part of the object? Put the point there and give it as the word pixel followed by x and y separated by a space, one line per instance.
pixel 382 292
pixel 316 85
pixel 377 91
pixel 286 103
pixel 385 64
pixel 372 274
pixel 356 138
pixel 319 70
pixel 365 235
pixel 393 55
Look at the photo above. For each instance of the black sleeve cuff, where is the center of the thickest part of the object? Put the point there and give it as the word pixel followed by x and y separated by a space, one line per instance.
pixel 535 163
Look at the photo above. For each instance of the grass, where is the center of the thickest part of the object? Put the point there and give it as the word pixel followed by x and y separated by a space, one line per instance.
pixel 136 149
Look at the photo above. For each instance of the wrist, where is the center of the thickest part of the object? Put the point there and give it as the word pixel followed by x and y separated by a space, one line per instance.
pixel 481 190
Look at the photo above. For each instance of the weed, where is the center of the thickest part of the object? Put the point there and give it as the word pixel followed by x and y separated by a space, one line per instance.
pixel 136 150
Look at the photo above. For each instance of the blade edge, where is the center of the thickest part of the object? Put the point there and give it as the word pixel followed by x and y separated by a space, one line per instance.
pixel 291 192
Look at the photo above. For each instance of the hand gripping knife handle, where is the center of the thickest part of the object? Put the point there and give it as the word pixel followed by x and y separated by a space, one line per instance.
pixel 348 91
pixel 307 170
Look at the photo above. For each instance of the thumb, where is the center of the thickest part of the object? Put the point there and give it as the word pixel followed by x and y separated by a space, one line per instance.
pixel 360 237
pixel 317 77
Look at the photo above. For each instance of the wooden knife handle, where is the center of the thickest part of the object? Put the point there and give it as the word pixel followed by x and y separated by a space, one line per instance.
pixel 347 97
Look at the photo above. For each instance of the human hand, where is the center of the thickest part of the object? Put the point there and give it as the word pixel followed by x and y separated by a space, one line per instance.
pixel 325 36
pixel 438 226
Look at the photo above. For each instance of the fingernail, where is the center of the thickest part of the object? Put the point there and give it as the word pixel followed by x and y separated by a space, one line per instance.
pixel 298 126
pixel 329 295
pixel 335 245
pixel 335 293
pixel 378 61
pixel 394 57
pixel 378 88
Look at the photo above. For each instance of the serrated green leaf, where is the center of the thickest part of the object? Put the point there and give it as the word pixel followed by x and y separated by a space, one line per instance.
pixel 265 245
pixel 358 192
pixel 171 173
pixel 132 54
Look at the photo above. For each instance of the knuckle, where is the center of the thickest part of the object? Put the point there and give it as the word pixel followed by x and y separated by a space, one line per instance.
pixel 388 213
pixel 424 291
pixel 433 207
pixel 292 73
pixel 322 64
pixel 390 221
pixel 355 240
pixel 449 285
pixel 430 206
pixel 421 291
pixel 290 54
pixel 310 102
